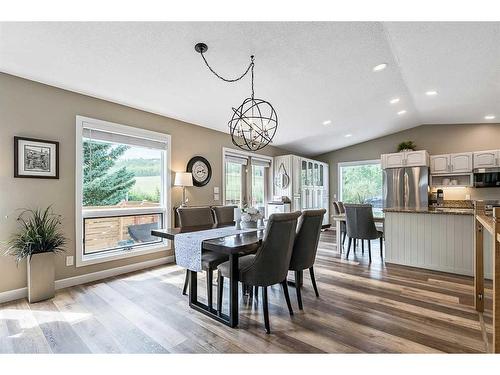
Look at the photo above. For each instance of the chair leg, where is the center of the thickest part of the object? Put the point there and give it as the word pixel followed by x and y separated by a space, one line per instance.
pixel 348 247
pixel 186 283
pixel 370 250
pixel 210 283
pixel 362 246
pixel 256 290
pixel 297 289
pixel 220 292
pixel 381 248
pixel 344 235
pixel 266 309
pixel 355 245
pixel 313 279
pixel 284 285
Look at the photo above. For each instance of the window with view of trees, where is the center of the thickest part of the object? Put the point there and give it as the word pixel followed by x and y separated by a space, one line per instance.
pixel 123 190
pixel 361 183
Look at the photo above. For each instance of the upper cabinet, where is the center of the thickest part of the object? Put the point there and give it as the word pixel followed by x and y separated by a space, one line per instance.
pixel 405 159
pixel 486 159
pixel 451 163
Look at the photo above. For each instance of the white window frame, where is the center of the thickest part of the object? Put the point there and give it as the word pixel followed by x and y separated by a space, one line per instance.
pixel 231 151
pixel 165 199
pixel 351 164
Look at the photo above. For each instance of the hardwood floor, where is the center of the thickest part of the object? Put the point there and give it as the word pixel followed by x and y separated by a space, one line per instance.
pixel 361 308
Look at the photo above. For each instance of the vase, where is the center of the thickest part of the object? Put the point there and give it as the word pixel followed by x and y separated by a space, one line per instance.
pixel 41 274
pixel 248 224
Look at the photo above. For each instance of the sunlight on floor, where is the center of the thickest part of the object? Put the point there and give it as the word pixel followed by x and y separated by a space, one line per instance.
pixel 32 318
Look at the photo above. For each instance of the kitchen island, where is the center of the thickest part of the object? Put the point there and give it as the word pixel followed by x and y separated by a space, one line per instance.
pixel 440 239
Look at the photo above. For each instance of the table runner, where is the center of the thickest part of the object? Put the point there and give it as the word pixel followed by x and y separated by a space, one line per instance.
pixel 188 245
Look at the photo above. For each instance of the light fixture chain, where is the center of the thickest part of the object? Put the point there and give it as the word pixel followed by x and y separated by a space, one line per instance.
pixel 228 79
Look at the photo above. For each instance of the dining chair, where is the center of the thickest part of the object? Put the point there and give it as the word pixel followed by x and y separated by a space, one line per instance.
pixel 337 211
pixel 360 225
pixel 305 247
pixel 224 215
pixel 201 216
pixel 269 265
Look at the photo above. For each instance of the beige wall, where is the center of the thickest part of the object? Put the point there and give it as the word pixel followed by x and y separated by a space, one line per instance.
pixel 437 139
pixel 35 110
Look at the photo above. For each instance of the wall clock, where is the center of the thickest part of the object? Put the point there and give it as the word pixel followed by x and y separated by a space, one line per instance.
pixel 201 170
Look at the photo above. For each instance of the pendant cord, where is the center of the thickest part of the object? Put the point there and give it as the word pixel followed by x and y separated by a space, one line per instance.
pixel 250 67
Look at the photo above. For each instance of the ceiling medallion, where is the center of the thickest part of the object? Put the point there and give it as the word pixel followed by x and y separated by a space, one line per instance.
pixel 254 123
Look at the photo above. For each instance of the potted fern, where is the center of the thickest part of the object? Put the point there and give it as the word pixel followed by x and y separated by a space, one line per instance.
pixel 407 146
pixel 37 240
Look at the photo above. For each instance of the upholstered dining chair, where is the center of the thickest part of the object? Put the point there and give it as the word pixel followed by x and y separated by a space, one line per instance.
pixel 269 265
pixel 224 215
pixel 305 247
pixel 337 211
pixel 201 216
pixel 360 225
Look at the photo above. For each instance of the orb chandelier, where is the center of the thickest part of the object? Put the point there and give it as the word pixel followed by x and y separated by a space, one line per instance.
pixel 253 124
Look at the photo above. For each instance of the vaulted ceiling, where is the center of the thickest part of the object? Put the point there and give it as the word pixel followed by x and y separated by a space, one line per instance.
pixel 319 76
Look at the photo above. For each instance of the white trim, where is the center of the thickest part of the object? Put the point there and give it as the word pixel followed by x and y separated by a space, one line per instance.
pixel 233 151
pixel 350 164
pixel 165 200
pixel 15 294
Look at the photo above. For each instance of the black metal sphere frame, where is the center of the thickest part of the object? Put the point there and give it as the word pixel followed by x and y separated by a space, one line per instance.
pixel 254 123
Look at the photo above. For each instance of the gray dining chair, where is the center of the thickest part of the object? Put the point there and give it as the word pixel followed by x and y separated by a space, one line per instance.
pixel 201 216
pixel 305 247
pixel 338 211
pixel 224 215
pixel 269 265
pixel 360 225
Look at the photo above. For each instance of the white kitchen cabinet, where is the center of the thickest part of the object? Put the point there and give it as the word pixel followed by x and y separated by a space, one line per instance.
pixel 461 162
pixel 451 163
pixel 416 158
pixel 440 164
pixel 405 159
pixel 486 159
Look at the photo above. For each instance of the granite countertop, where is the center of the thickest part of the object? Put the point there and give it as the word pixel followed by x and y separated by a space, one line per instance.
pixel 432 210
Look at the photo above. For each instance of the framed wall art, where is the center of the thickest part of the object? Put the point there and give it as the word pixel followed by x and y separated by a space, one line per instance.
pixel 36 158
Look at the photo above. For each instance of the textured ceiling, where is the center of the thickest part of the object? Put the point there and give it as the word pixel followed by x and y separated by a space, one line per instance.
pixel 310 72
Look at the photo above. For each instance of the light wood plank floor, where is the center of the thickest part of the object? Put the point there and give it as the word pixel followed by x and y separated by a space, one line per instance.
pixel 362 308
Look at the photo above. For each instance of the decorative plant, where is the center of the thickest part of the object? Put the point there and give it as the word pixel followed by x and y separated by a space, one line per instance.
pixel 251 214
pixel 407 145
pixel 39 233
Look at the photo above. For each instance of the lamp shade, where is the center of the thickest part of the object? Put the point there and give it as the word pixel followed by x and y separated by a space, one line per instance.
pixel 183 179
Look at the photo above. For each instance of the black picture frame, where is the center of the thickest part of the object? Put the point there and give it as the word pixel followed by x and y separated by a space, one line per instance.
pixel 189 168
pixel 50 144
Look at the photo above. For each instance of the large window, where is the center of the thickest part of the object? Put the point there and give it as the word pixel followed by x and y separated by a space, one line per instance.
pixel 361 182
pixel 121 190
pixel 246 179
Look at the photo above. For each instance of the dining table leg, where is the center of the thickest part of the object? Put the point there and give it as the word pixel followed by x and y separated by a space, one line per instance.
pixel 233 290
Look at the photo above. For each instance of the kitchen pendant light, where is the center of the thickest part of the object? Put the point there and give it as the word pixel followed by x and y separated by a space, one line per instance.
pixel 253 124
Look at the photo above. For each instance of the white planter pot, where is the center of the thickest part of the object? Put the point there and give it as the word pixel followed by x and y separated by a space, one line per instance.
pixel 41 274
pixel 248 224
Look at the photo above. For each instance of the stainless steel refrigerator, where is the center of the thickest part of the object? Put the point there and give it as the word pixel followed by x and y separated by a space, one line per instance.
pixel 406 187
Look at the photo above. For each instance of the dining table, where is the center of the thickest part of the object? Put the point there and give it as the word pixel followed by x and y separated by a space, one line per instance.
pixel 234 246
pixel 378 217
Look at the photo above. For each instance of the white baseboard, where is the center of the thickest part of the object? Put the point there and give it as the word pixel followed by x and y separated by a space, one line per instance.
pixel 12 295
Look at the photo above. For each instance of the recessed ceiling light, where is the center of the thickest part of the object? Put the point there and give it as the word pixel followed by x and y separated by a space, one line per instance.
pixel 431 93
pixel 379 67
pixel 489 117
pixel 402 112
pixel 394 101
pixel 327 122
pixel 348 135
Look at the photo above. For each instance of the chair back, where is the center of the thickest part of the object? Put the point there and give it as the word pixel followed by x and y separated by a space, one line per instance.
pixel 142 232
pixel 360 223
pixel 271 262
pixel 195 216
pixel 341 207
pixel 336 208
pixel 224 214
pixel 306 239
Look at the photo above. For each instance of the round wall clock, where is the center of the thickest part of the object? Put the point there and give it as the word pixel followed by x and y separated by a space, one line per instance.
pixel 201 170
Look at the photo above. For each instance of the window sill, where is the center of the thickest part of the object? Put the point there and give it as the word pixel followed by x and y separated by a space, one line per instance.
pixel 86 260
